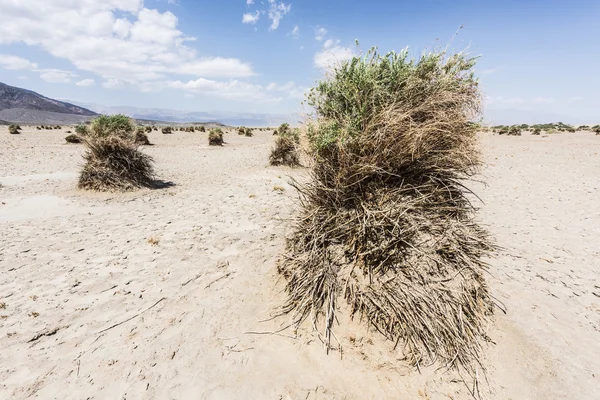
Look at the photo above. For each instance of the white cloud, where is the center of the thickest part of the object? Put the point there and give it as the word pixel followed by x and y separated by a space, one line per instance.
pixel 238 90
pixel 53 75
pixel 116 39
pixel 320 33
pixel 16 63
pixel 250 18
pixel 541 99
pixel 296 32
pixel 113 84
pixel 332 55
pixel 290 88
pixel 513 100
pixel 249 2
pixel 56 76
pixel 234 89
pixel 86 82
pixel 574 99
pixel 276 13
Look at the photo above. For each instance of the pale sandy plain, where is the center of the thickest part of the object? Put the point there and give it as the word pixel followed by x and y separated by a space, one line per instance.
pixel 192 312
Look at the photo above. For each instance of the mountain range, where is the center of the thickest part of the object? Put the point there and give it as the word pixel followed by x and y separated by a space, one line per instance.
pixel 24 106
pixel 177 116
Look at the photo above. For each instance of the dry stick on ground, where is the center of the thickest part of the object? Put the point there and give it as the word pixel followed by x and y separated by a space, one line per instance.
pixel 218 279
pixel 276 333
pixel 130 318
pixel 47 332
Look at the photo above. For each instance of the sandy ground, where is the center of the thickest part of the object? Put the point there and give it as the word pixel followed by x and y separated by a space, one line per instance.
pixel 169 293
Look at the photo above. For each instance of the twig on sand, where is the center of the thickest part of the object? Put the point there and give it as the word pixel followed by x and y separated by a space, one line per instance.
pixel 218 279
pixel 130 318
pixel 269 333
pixel 47 332
pixel 110 288
pixel 276 333
pixel 191 279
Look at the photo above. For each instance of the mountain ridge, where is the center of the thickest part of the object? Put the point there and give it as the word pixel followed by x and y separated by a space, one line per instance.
pixel 23 105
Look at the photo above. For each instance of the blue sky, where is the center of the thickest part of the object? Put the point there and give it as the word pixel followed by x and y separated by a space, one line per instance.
pixel 261 56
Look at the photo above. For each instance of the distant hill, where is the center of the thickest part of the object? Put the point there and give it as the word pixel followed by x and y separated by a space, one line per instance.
pixel 204 117
pixel 25 106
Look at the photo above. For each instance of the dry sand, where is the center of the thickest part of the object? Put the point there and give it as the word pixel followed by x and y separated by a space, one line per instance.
pixel 168 294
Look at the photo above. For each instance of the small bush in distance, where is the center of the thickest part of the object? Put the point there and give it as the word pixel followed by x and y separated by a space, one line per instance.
pixel 514 131
pixel 14 129
pixel 167 130
pixel 141 138
pixel 112 125
pixel 73 138
pixel 81 130
pixel 286 148
pixel 215 137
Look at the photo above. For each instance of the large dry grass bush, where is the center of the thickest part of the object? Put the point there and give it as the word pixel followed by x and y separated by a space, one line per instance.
pixel 386 225
pixel 113 161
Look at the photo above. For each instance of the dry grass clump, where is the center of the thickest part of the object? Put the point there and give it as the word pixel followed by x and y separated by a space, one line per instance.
pixel 141 138
pixel 215 137
pixel 286 150
pixel 386 225
pixel 244 131
pixel 111 125
pixel 112 160
pixel 536 132
pixel 81 130
pixel 514 131
pixel 73 138
pixel 14 129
